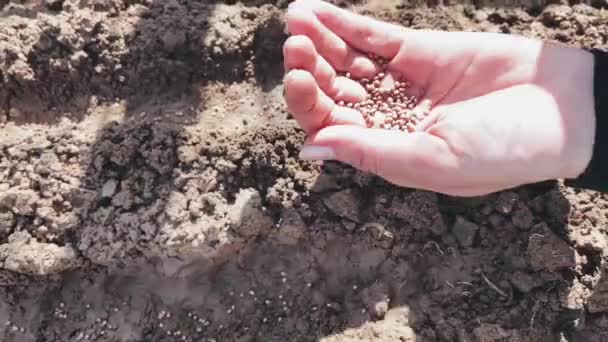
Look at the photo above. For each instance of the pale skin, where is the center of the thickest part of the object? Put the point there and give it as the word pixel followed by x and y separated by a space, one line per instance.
pixel 505 110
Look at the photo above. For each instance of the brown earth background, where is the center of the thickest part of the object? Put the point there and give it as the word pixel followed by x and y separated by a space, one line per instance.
pixel 150 190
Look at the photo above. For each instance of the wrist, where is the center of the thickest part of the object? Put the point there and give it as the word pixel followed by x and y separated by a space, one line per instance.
pixel 590 175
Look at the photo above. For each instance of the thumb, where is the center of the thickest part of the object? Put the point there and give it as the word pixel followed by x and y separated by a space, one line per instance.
pixel 417 160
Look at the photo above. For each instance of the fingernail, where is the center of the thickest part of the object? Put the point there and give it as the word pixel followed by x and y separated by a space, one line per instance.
pixel 317 153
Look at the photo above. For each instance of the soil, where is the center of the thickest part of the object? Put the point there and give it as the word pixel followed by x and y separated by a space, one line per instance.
pixel 150 190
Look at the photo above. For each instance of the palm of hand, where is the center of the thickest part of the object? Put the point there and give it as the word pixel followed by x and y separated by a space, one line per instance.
pixel 498 119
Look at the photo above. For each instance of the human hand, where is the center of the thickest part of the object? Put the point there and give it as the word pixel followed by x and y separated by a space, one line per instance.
pixel 505 110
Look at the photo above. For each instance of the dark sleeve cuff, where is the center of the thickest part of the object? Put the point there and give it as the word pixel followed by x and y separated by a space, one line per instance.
pixel 595 177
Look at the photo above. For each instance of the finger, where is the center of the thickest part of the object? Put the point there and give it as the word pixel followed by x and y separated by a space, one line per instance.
pixel 415 160
pixel 312 108
pixel 363 33
pixel 301 21
pixel 300 53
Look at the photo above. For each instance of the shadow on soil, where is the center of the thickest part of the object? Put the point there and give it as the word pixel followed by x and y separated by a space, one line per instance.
pixel 367 256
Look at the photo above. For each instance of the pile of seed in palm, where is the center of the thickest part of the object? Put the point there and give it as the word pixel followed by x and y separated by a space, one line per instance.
pixel 387 104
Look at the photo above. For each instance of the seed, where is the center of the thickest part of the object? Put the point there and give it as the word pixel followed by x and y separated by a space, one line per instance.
pixel 387 108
